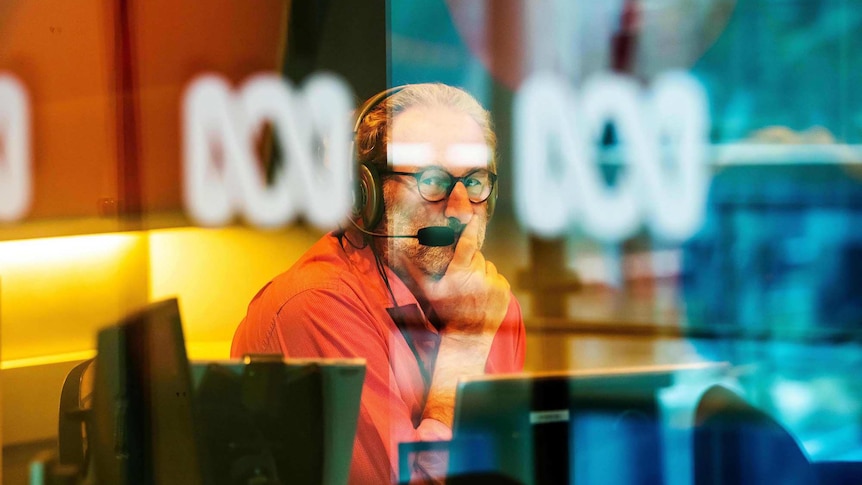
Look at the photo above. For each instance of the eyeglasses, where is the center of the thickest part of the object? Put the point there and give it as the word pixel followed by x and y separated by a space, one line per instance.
pixel 436 184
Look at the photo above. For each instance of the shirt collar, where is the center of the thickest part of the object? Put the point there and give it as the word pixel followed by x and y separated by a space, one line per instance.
pixel 407 308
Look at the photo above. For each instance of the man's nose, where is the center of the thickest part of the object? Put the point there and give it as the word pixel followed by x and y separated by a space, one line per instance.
pixel 458 204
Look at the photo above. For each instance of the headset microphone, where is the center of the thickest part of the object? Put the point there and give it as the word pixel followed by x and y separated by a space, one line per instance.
pixel 435 236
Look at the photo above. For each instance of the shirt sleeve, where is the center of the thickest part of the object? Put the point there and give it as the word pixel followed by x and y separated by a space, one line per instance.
pixel 509 348
pixel 519 339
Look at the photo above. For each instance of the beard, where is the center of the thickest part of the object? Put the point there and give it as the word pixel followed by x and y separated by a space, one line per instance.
pixel 398 252
pixel 433 261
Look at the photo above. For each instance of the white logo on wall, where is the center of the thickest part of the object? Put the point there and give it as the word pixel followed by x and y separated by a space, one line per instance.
pixel 222 174
pixel 558 182
pixel 15 184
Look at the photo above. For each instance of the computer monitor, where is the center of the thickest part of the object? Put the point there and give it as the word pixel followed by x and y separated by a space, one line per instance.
pixel 594 427
pixel 263 420
pixel 143 429
pixel 270 420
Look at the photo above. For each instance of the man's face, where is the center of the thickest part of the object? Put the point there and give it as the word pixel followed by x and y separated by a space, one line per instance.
pixel 421 137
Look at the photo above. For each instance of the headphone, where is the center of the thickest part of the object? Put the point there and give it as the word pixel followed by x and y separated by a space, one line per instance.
pixel 368 195
pixel 368 198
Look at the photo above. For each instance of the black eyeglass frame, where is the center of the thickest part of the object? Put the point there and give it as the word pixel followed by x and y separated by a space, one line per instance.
pixel 492 178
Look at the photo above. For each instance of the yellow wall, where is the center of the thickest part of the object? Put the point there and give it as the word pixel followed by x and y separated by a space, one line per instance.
pixel 56 293
pixel 215 273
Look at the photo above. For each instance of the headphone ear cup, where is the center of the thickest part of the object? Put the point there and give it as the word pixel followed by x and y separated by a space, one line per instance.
pixel 369 197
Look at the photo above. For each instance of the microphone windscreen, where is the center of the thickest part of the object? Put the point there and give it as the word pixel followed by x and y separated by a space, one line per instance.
pixel 436 236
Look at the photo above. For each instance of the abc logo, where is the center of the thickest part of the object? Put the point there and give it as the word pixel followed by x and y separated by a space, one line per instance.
pixel 663 136
pixel 15 184
pixel 222 174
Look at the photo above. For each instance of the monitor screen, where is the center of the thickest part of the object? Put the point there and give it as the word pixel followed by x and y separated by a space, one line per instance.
pixel 600 426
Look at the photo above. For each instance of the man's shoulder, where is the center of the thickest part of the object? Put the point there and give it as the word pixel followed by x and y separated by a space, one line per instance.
pixel 325 268
pixel 323 265
pixel 327 280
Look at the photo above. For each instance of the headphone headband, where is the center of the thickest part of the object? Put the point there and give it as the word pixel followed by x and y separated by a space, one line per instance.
pixel 369 189
pixel 372 103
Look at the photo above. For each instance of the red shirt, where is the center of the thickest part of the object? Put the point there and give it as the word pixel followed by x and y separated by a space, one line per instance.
pixel 333 303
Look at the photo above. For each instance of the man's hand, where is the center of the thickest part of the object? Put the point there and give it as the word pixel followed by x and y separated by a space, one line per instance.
pixel 471 300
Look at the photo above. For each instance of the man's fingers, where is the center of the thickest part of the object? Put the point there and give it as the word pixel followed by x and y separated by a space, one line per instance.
pixel 467 245
pixel 490 269
pixel 504 282
pixel 495 277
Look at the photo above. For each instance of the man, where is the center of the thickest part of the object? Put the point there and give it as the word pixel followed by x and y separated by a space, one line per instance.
pixel 421 315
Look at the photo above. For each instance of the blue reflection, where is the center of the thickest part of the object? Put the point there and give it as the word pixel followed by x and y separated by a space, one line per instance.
pixel 633 456
pixel 773 279
pixel 425 46
pixel 794 64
